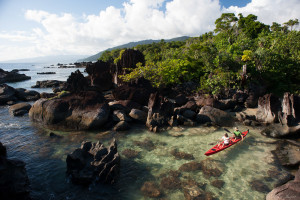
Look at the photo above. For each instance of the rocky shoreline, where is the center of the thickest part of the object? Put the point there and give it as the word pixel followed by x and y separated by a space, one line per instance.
pixel 102 101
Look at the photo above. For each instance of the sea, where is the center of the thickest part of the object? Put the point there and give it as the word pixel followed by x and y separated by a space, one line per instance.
pixel 249 167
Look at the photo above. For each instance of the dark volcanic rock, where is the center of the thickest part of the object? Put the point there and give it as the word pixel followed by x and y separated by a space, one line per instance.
pixel 76 82
pixel 13 76
pixel 19 109
pixel 7 94
pixel 121 126
pixel 268 109
pixel 160 111
pixel 287 152
pixel 217 116
pixel 48 84
pixel 212 167
pixel 94 162
pixel 191 166
pixel 171 182
pixel 146 144
pixel 218 183
pixel 100 75
pixel 258 185
pixel 182 155
pixel 129 153
pixel 138 91
pixel 27 95
pixel 290 190
pixel 14 182
pixel 150 189
pixel 81 111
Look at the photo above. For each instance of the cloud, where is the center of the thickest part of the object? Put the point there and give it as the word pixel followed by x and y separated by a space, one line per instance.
pixel 135 20
pixel 269 11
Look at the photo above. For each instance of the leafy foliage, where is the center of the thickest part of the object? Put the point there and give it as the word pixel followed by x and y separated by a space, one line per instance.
pixel 215 60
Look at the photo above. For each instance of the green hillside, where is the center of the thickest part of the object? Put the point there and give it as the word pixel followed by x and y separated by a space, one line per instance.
pixel 129 45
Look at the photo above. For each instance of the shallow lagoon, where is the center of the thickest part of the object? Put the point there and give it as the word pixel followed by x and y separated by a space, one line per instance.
pixel 45 160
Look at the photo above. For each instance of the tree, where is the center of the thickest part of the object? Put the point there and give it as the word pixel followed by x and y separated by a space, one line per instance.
pixel 291 23
pixel 225 22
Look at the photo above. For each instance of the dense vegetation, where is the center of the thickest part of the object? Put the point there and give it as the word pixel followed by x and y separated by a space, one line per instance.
pixel 270 56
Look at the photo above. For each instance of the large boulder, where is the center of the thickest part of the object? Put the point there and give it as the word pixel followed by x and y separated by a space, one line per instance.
pixel 7 93
pixel 84 110
pixel 217 116
pixel 14 182
pixel 290 110
pixel 94 162
pixel 204 100
pixel 290 190
pixel 100 75
pixel 13 76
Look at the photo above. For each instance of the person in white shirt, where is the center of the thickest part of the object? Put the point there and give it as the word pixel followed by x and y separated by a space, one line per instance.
pixel 226 140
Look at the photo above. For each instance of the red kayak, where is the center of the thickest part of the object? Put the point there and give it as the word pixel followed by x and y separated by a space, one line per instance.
pixel 217 148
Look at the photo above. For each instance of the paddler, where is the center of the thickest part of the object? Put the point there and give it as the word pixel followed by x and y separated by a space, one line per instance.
pixel 237 134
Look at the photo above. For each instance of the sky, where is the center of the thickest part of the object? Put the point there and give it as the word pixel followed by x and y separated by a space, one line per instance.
pixel 36 28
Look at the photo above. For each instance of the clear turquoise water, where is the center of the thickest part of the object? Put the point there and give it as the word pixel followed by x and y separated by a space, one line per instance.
pixel 45 160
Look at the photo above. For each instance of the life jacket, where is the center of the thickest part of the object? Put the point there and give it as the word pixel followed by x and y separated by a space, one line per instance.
pixel 237 133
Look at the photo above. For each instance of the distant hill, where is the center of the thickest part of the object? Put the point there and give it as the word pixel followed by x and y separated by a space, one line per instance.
pixel 129 45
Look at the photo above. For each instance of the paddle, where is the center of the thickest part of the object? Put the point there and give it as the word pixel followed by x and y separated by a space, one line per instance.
pixel 219 141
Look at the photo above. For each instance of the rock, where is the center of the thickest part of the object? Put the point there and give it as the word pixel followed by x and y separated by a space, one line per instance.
pixel 189 114
pixel 146 144
pixel 19 109
pixel 129 153
pixel 128 59
pixel 76 82
pixel 44 73
pixel 7 94
pixel 120 115
pixel 48 84
pixel 150 189
pixel 225 104
pixel 268 109
pixel 288 153
pixel 13 76
pixel 191 105
pixel 207 101
pixel 218 183
pixel 14 182
pixel 46 95
pixel 160 112
pixel 193 193
pixel 217 116
pixel 27 95
pixel 125 105
pixel 191 166
pixel 182 155
pixel 258 185
pixel 82 111
pixel 138 92
pixel 138 115
pixel 202 119
pixel 170 183
pixel 180 100
pixel 212 167
pixel 53 135
pixel 290 110
pixel 100 75
pixel 93 162
pixel 122 126
pixel 2 150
